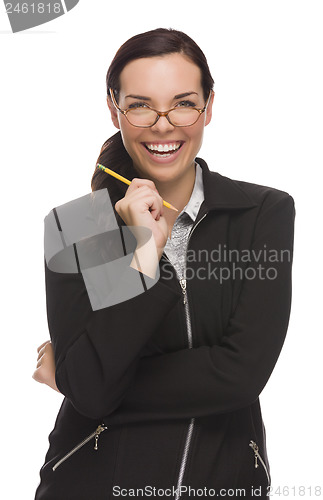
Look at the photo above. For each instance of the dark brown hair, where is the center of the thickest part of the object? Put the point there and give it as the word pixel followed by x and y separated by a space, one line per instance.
pixel 157 42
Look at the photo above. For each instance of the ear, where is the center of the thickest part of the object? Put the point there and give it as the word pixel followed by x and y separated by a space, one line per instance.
pixel 208 110
pixel 113 112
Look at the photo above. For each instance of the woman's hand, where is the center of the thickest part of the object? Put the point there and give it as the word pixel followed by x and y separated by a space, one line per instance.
pixel 45 371
pixel 143 206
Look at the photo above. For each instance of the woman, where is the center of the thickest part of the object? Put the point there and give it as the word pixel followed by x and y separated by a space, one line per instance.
pixel 161 390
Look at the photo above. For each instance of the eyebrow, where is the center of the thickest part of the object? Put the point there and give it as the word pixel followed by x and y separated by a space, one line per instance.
pixel 145 98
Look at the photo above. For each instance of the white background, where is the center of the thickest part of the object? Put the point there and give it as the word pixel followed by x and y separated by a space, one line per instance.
pixel 266 59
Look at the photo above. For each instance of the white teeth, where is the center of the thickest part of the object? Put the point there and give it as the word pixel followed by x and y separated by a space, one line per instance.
pixel 163 148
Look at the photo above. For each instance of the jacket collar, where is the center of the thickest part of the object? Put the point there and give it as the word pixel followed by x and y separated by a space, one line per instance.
pixel 222 193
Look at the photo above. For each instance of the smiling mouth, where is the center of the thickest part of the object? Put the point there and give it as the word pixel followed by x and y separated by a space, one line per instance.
pixel 163 150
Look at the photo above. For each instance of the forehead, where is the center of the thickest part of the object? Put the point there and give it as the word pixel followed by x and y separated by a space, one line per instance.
pixel 163 75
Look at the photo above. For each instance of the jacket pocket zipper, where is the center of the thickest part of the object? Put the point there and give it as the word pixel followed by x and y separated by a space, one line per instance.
pixel 95 435
pixel 255 448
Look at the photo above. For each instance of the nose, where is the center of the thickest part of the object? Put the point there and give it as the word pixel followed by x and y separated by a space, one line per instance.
pixel 163 125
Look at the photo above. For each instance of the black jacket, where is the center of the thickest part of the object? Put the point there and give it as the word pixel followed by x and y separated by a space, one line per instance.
pixel 175 415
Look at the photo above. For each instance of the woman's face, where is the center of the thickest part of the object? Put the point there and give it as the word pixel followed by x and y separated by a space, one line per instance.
pixel 161 83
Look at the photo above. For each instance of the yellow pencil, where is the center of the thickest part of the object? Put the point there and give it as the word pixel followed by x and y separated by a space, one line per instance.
pixel 126 181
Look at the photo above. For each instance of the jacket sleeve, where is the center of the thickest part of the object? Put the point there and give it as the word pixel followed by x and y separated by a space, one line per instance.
pixel 96 352
pixel 222 378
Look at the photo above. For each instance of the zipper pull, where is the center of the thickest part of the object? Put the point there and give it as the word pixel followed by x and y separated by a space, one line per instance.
pixel 182 282
pixel 100 429
pixel 255 448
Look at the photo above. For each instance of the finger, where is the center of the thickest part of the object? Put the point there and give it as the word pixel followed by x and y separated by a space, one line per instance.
pixel 161 213
pixel 142 197
pixel 43 344
pixel 40 361
pixel 155 205
pixel 137 183
pixel 145 193
pixel 42 351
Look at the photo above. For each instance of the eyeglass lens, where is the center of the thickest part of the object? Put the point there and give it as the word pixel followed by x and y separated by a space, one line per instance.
pixel 145 117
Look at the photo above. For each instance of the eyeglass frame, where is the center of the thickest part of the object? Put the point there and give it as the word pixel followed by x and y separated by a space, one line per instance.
pixel 159 113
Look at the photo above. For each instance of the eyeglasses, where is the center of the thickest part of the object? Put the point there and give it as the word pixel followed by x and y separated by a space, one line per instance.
pixel 144 116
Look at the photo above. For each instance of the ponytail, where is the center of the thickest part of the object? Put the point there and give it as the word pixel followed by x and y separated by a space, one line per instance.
pixel 113 155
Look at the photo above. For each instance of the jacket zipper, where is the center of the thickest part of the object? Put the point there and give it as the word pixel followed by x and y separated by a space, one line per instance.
pixel 95 435
pixel 255 448
pixel 182 282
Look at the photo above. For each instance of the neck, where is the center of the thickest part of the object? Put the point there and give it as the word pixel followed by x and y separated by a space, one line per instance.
pixel 178 192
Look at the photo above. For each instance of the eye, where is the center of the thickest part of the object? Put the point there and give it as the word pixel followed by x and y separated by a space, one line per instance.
pixel 135 105
pixel 186 104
